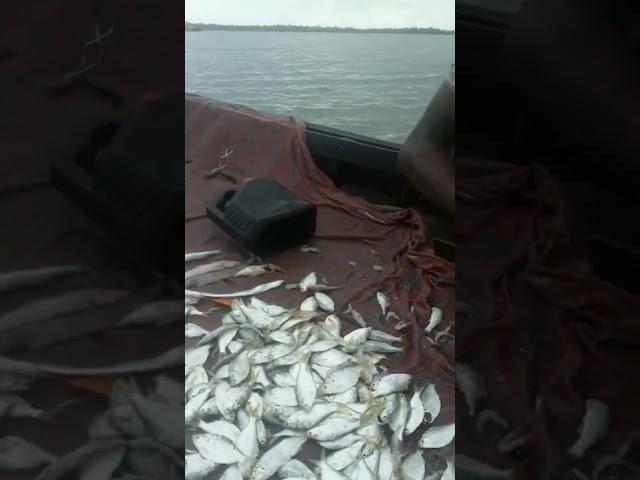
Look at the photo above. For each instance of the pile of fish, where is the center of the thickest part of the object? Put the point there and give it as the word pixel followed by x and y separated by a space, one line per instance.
pixel 134 438
pixel 287 393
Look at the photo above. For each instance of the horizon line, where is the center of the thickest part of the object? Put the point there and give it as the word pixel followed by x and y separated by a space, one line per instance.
pixel 199 23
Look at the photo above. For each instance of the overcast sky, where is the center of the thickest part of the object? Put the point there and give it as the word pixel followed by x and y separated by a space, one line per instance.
pixel 341 13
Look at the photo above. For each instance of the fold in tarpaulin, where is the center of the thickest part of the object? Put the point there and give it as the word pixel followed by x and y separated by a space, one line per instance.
pixel 254 144
pixel 557 334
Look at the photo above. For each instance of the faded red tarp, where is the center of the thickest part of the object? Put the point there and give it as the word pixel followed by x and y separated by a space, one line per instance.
pixel 348 229
pixel 43 118
pixel 538 326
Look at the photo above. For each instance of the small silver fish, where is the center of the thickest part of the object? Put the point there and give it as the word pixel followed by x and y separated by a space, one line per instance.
pixel 208 268
pixel 434 320
pixel 276 457
pixel 308 281
pixel 437 437
pixel 430 402
pixel 38 276
pixel 310 304
pixel 383 301
pixel 257 270
pixel 393 383
pixel 324 301
pixel 357 317
pixel 594 424
pixel 217 448
pixel 195 256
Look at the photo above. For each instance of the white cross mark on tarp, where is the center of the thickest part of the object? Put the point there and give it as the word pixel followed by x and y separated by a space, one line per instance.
pixel 97 40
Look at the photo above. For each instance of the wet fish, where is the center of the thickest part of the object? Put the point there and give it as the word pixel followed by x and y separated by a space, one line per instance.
pixel 434 320
pixel 357 317
pixel 413 466
pixel 341 379
pixel 208 268
pixel 333 428
pixel 416 415
pixel 243 293
pixel 257 270
pixel 64 304
pixel 594 425
pixel 37 276
pixel 324 302
pixel 195 256
pixel 197 467
pixel 305 420
pixel 309 304
pixel 191 330
pixel 393 383
pixel 470 385
pixel 276 457
pixel 430 402
pixel 308 281
pixel 383 301
pixel 438 437
pixel 217 448
pixel 17 454
pixel 296 469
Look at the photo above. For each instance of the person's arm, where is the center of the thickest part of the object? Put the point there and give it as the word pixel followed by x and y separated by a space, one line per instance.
pixel 425 158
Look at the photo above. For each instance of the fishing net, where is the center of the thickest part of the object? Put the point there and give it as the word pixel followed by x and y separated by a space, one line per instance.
pixel 538 327
pixel 352 236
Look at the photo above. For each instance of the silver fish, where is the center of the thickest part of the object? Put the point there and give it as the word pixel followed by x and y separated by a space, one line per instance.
pixel 276 457
pixel 434 320
pixel 296 469
pixel 159 313
pixel 304 420
pixel 413 466
pixel 308 281
pixel 244 293
pixel 191 330
pixel 217 448
pixel 197 467
pixel 341 459
pixel 333 428
pixel 221 427
pixel 195 256
pixel 393 383
pixel 357 317
pixel 383 301
pixel 324 301
pixel 594 424
pixel 341 379
pixel 416 415
pixel 430 402
pixel 309 304
pixel 17 454
pixel 38 276
pixel 257 270
pixel 438 437
pixel 60 305
pixel 208 268
pixel 305 387
pixel 470 385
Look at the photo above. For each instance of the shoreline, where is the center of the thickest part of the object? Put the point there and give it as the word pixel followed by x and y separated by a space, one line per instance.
pixel 190 27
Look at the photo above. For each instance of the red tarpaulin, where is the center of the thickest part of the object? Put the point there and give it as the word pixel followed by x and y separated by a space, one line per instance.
pixel 348 230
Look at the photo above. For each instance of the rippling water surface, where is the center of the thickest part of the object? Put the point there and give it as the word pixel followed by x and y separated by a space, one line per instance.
pixel 372 84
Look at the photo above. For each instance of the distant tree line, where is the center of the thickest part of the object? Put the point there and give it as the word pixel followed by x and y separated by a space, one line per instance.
pixel 194 27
